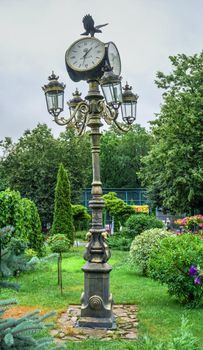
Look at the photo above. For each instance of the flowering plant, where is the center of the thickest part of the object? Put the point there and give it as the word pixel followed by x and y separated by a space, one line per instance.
pixel 175 261
pixel 196 272
pixel 191 223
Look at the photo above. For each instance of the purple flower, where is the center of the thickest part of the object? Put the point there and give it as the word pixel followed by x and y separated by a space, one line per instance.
pixel 198 280
pixel 193 270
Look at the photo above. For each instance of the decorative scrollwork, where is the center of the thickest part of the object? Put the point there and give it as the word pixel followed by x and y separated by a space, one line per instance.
pixel 110 116
pixel 78 117
pixel 95 302
pixel 122 127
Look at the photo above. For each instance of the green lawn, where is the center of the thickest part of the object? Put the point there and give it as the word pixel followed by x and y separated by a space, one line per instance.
pixel 159 315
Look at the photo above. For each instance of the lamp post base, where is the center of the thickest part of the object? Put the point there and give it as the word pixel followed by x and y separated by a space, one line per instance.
pixel 96 301
pixel 92 322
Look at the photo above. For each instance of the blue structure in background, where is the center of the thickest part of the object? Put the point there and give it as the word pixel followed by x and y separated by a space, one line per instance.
pixel 136 196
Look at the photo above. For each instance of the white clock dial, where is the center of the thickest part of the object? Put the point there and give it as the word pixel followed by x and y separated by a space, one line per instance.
pixel 114 58
pixel 85 54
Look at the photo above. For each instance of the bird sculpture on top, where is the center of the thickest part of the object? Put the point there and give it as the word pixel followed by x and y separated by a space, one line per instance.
pixel 88 23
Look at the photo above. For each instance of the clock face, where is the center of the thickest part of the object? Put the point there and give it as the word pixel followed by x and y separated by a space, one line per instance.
pixel 85 54
pixel 114 58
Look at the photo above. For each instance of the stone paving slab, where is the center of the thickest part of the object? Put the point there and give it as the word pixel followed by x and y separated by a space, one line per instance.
pixel 126 322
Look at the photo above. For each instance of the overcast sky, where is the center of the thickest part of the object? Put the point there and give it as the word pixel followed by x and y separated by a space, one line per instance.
pixel 36 33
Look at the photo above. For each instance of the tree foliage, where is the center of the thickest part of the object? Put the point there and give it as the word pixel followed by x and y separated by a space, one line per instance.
pixel 30 166
pixel 173 169
pixel 22 214
pixel 121 156
pixel 63 218
pixel 117 208
pixel 17 333
pixel 32 225
pixel 81 218
pixel 76 157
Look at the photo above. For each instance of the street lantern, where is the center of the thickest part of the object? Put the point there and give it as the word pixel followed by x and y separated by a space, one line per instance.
pixel 111 88
pixel 73 103
pixel 129 105
pixel 54 93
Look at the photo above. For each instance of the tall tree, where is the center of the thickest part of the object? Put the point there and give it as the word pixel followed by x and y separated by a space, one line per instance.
pixel 173 170
pixel 76 157
pixel 121 156
pixel 63 218
pixel 30 166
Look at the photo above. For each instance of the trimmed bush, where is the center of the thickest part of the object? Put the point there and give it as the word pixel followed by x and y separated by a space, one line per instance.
pixel 59 243
pixel 119 241
pixel 142 245
pixel 81 218
pixel 63 217
pixel 138 223
pixel 178 262
pixel 117 208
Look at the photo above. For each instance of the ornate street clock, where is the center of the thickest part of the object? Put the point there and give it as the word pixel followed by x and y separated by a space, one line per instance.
pixel 85 59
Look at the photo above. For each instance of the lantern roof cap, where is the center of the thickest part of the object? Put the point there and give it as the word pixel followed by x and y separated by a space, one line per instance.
pixel 76 98
pixel 128 95
pixel 54 84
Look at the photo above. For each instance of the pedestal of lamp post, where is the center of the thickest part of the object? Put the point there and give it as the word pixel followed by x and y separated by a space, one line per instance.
pixel 96 300
pixel 96 308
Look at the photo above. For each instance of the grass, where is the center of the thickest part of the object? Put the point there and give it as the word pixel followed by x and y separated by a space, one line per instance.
pixel 159 315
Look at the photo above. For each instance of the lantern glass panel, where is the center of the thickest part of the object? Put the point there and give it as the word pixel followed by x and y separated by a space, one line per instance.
pixel 128 111
pixel 112 93
pixel 55 102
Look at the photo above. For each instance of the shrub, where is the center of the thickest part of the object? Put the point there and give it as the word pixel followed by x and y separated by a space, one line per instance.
pixel 33 226
pixel 22 214
pixel 63 218
pixel 117 208
pixel 119 241
pixel 59 243
pixel 81 235
pixel 142 244
pixel 183 339
pixel 176 261
pixel 138 223
pixel 12 257
pixel 17 333
pixel 11 212
pixel 81 218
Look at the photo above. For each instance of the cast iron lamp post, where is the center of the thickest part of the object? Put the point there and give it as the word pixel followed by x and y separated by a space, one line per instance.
pixel 96 300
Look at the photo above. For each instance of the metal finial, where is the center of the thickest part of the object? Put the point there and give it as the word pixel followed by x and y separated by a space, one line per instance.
pixel 53 76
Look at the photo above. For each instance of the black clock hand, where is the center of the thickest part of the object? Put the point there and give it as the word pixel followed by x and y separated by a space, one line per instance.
pixel 87 52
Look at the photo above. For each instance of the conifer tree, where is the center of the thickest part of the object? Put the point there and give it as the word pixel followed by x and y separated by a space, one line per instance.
pixel 63 219
pixel 17 333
